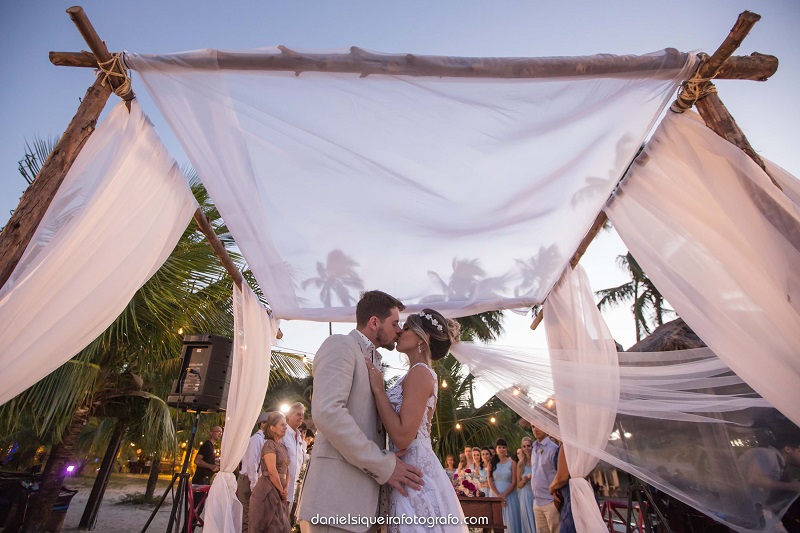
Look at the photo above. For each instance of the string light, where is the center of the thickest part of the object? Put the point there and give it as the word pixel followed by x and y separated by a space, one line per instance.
pixel 458 426
pixel 493 420
pixel 180 331
pixel 444 384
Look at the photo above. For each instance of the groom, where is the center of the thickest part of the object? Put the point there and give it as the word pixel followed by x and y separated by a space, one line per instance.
pixel 349 463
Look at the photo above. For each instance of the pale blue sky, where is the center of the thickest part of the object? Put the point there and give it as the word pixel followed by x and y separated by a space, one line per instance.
pixel 39 99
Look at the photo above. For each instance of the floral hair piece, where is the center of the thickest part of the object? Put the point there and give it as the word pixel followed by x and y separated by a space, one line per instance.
pixel 433 321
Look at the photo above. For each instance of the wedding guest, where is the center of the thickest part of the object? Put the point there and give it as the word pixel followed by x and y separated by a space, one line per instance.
pixel 543 467
pixel 249 471
pixel 485 470
pixel 524 474
pixel 503 482
pixel 462 462
pixel 295 445
pixel 474 460
pixel 268 512
pixel 450 466
pixel 559 488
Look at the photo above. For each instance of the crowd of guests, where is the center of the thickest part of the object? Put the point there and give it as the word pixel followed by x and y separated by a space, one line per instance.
pixel 270 469
pixel 534 486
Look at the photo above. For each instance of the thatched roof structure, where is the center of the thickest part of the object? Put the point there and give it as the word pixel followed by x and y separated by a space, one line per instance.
pixel 674 335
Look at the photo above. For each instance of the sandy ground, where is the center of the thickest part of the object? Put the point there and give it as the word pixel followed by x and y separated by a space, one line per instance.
pixel 115 517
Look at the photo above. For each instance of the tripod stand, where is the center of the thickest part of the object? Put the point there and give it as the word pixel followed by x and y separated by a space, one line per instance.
pixel 639 493
pixel 178 503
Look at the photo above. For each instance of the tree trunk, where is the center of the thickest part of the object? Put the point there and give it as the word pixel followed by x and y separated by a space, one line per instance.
pixel 89 517
pixel 153 479
pixel 54 474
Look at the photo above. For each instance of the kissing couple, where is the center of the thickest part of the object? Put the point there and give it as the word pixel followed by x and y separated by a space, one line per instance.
pixel 354 483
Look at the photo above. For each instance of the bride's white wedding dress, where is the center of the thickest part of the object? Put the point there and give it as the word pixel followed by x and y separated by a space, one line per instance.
pixel 436 501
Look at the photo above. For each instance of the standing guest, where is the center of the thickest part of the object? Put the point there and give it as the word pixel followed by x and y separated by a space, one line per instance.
pixel 503 481
pixel 206 459
pixel 468 453
pixel 559 488
pixel 207 463
pixel 249 472
pixel 485 471
pixel 527 521
pixel 543 466
pixel 268 512
pixel 450 466
pixel 462 462
pixel 296 446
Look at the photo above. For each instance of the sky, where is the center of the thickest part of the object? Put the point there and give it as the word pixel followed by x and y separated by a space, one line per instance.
pixel 39 99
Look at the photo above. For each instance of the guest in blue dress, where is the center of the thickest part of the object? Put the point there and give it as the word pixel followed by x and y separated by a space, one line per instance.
pixel 524 491
pixel 503 482
pixel 486 467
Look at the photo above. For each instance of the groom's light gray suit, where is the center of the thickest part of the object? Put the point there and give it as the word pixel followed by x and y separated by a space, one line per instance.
pixel 348 462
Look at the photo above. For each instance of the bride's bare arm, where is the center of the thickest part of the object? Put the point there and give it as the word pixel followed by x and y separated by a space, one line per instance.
pixel 417 388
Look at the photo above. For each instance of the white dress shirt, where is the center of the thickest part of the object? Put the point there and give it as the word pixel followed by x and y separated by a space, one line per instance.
pixel 296 446
pixel 252 458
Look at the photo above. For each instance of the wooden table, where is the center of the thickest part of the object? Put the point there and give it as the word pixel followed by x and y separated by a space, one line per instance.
pixel 492 508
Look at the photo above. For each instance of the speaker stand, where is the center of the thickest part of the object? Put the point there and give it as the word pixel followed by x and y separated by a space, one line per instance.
pixel 183 487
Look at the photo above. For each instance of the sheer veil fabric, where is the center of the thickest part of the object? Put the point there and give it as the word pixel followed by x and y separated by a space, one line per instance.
pixel 117 216
pixel 468 193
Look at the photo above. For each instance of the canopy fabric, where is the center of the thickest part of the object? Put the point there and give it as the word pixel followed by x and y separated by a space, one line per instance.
pixel 470 193
pixel 683 420
pixel 118 214
pixel 722 244
pixel 574 327
pixel 254 334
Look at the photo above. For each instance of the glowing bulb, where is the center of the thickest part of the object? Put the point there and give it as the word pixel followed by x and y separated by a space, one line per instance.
pixel 444 384
pixel 180 331
pixel 493 420
pixel 550 403
pixel 70 469
pixel 458 426
pixel 284 408
pixel 516 392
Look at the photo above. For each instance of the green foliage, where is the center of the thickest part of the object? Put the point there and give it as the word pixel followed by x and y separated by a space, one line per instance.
pixel 648 305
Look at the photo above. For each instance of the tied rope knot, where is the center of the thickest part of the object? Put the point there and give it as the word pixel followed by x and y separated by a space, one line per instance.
pixel 694 89
pixel 109 72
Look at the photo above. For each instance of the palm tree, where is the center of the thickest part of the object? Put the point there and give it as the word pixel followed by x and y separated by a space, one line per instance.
pixel 457 421
pixel 648 303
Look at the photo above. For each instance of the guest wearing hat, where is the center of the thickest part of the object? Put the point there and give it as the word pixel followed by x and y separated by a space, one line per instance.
pixel 249 472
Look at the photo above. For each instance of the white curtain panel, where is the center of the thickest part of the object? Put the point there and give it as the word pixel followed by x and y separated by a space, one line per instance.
pixel 254 334
pixel 575 327
pixel 118 214
pixel 722 244
pixel 683 420
pixel 470 193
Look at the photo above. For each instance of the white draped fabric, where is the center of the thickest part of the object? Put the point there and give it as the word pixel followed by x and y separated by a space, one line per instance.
pixel 470 193
pixel 254 334
pixel 574 327
pixel 722 244
pixel 118 214
pixel 683 420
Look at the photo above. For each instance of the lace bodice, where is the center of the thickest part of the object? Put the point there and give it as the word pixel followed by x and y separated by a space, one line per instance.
pixel 436 497
pixel 395 394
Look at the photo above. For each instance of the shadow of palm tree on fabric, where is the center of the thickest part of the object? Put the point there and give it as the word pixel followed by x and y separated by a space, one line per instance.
pixel 336 277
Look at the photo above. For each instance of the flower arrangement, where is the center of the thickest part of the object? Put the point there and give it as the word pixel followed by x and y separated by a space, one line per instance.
pixel 467 483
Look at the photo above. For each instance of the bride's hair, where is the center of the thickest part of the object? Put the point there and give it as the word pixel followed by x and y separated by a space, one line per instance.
pixel 438 332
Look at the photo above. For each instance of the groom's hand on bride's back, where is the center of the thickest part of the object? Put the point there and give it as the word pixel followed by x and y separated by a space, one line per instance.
pixel 405 475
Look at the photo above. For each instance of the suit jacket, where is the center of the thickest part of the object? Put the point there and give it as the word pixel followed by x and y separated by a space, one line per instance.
pixel 348 462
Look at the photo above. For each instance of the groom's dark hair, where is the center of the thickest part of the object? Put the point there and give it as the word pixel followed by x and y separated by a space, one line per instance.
pixel 375 303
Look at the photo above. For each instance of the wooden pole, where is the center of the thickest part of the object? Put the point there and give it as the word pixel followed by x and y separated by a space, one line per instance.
pixel 34 202
pixel 99 49
pixel 756 67
pixel 710 107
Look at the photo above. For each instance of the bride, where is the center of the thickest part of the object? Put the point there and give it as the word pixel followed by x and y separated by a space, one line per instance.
pixel 406 410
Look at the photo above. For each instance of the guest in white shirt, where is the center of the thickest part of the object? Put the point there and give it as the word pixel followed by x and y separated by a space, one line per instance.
pixel 249 472
pixel 295 443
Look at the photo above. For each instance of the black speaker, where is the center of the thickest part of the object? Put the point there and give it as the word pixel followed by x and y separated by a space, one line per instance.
pixel 205 374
